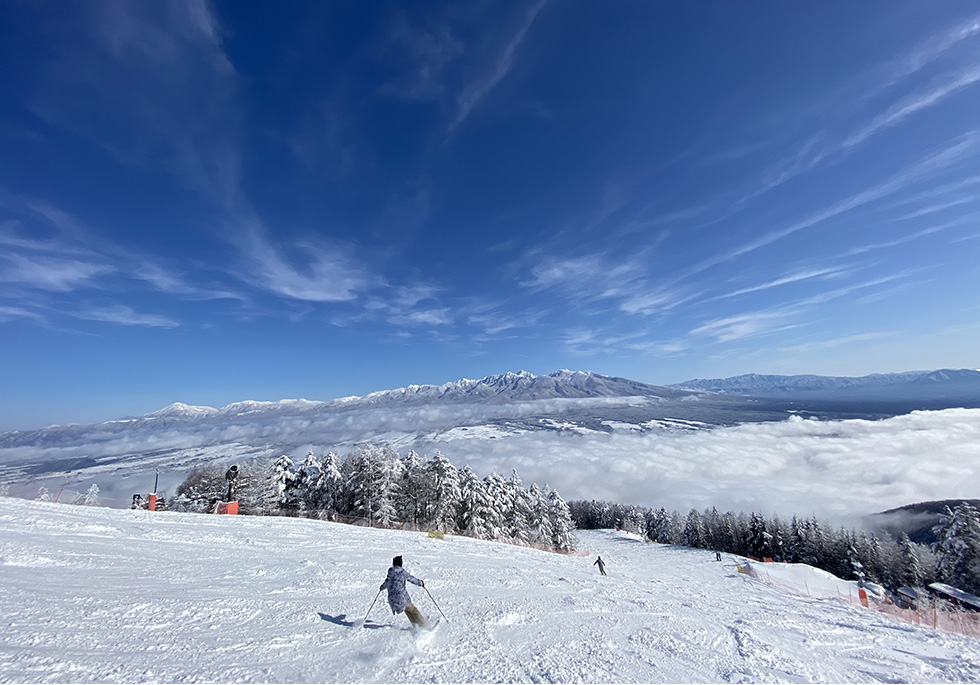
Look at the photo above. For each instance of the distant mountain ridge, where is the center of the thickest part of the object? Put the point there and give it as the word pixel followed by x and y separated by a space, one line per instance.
pixel 522 386
pixel 915 520
pixel 923 385
pixel 504 388
pixel 461 417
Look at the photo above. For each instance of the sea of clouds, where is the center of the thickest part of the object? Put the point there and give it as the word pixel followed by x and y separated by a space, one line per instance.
pixel 797 466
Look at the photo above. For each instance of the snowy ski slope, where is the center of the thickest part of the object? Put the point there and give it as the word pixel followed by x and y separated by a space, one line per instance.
pixel 102 595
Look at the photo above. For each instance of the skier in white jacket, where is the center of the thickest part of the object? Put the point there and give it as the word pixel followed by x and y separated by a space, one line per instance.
pixel 398 598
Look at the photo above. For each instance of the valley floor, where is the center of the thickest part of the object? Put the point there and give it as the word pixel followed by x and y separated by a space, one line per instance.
pixel 100 595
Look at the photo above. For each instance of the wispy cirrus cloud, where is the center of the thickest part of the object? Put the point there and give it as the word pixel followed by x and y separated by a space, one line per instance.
pixel 312 270
pixel 126 316
pixel 794 277
pixel 8 313
pixel 852 100
pixel 476 91
pixel 913 104
pixel 748 325
pixel 963 148
pixel 51 273
pixel 837 342
pixel 152 85
pixel 427 52
pixel 901 240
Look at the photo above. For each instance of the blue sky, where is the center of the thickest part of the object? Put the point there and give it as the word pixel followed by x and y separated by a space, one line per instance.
pixel 211 202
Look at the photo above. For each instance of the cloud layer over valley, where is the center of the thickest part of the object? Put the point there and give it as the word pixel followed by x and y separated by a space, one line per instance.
pixel 803 466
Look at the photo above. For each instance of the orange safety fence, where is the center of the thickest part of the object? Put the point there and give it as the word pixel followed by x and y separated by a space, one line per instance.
pixel 936 614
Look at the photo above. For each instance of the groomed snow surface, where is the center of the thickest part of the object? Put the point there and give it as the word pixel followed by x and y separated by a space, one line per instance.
pixel 101 595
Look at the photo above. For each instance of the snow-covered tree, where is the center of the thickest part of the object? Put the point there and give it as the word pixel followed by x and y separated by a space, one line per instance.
pixel 519 514
pixel 361 476
pixel 958 548
pixel 307 483
pixel 499 504
pixel 658 526
pixel 204 486
pixel 694 531
pixel 43 494
pixel 910 571
pixel 331 485
pixel 561 522
pixel 760 539
pixel 411 500
pixel 92 496
pixel 474 515
pixel 285 482
pixel 389 476
pixel 444 495
pixel 539 524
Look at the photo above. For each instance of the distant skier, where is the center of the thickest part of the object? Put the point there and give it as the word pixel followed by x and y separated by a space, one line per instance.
pixel 601 563
pixel 717 556
pixel 398 598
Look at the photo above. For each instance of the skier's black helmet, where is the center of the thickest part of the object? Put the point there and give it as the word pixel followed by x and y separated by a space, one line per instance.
pixel 397 561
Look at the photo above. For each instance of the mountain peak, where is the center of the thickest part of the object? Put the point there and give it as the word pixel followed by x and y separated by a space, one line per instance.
pixel 179 410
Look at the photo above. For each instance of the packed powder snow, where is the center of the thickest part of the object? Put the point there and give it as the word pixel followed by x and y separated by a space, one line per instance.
pixel 101 595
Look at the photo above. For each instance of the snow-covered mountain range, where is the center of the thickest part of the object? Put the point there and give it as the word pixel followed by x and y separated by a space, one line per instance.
pixel 949 384
pixel 586 434
pixel 499 389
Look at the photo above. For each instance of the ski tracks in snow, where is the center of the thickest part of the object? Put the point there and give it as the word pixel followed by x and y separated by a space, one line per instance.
pixel 96 595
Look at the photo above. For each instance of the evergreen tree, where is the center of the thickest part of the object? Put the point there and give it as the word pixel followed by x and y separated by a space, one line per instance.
pixel 856 567
pixel 331 486
pixel 539 523
pixel 499 503
pixel 694 531
pixel 561 522
pixel 796 542
pixel 307 483
pixel 760 539
pixel 43 494
pixel 443 486
pixel 910 572
pixel 412 501
pixel 285 482
pixel 658 526
pixel 958 550
pixel 360 471
pixel 389 475
pixel 92 496
pixel 519 513
pixel 256 489
pixel 470 490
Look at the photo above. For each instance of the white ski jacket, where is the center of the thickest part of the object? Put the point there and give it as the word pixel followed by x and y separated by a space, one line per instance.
pixel 398 597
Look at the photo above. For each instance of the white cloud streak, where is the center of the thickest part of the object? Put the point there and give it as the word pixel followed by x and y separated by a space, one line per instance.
pixel 318 273
pixel 474 93
pixel 126 316
pixel 911 105
pixel 55 274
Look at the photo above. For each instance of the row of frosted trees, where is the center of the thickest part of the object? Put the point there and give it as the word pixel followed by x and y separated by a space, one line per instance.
pixel 954 559
pixel 377 485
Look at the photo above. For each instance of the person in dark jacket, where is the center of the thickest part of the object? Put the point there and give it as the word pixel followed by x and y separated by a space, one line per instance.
pixel 398 597
pixel 601 563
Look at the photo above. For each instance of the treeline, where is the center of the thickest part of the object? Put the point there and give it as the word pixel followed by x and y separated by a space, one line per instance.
pixel 893 563
pixel 388 490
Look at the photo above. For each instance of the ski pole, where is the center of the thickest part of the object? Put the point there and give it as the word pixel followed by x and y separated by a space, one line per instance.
pixel 434 602
pixel 363 620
